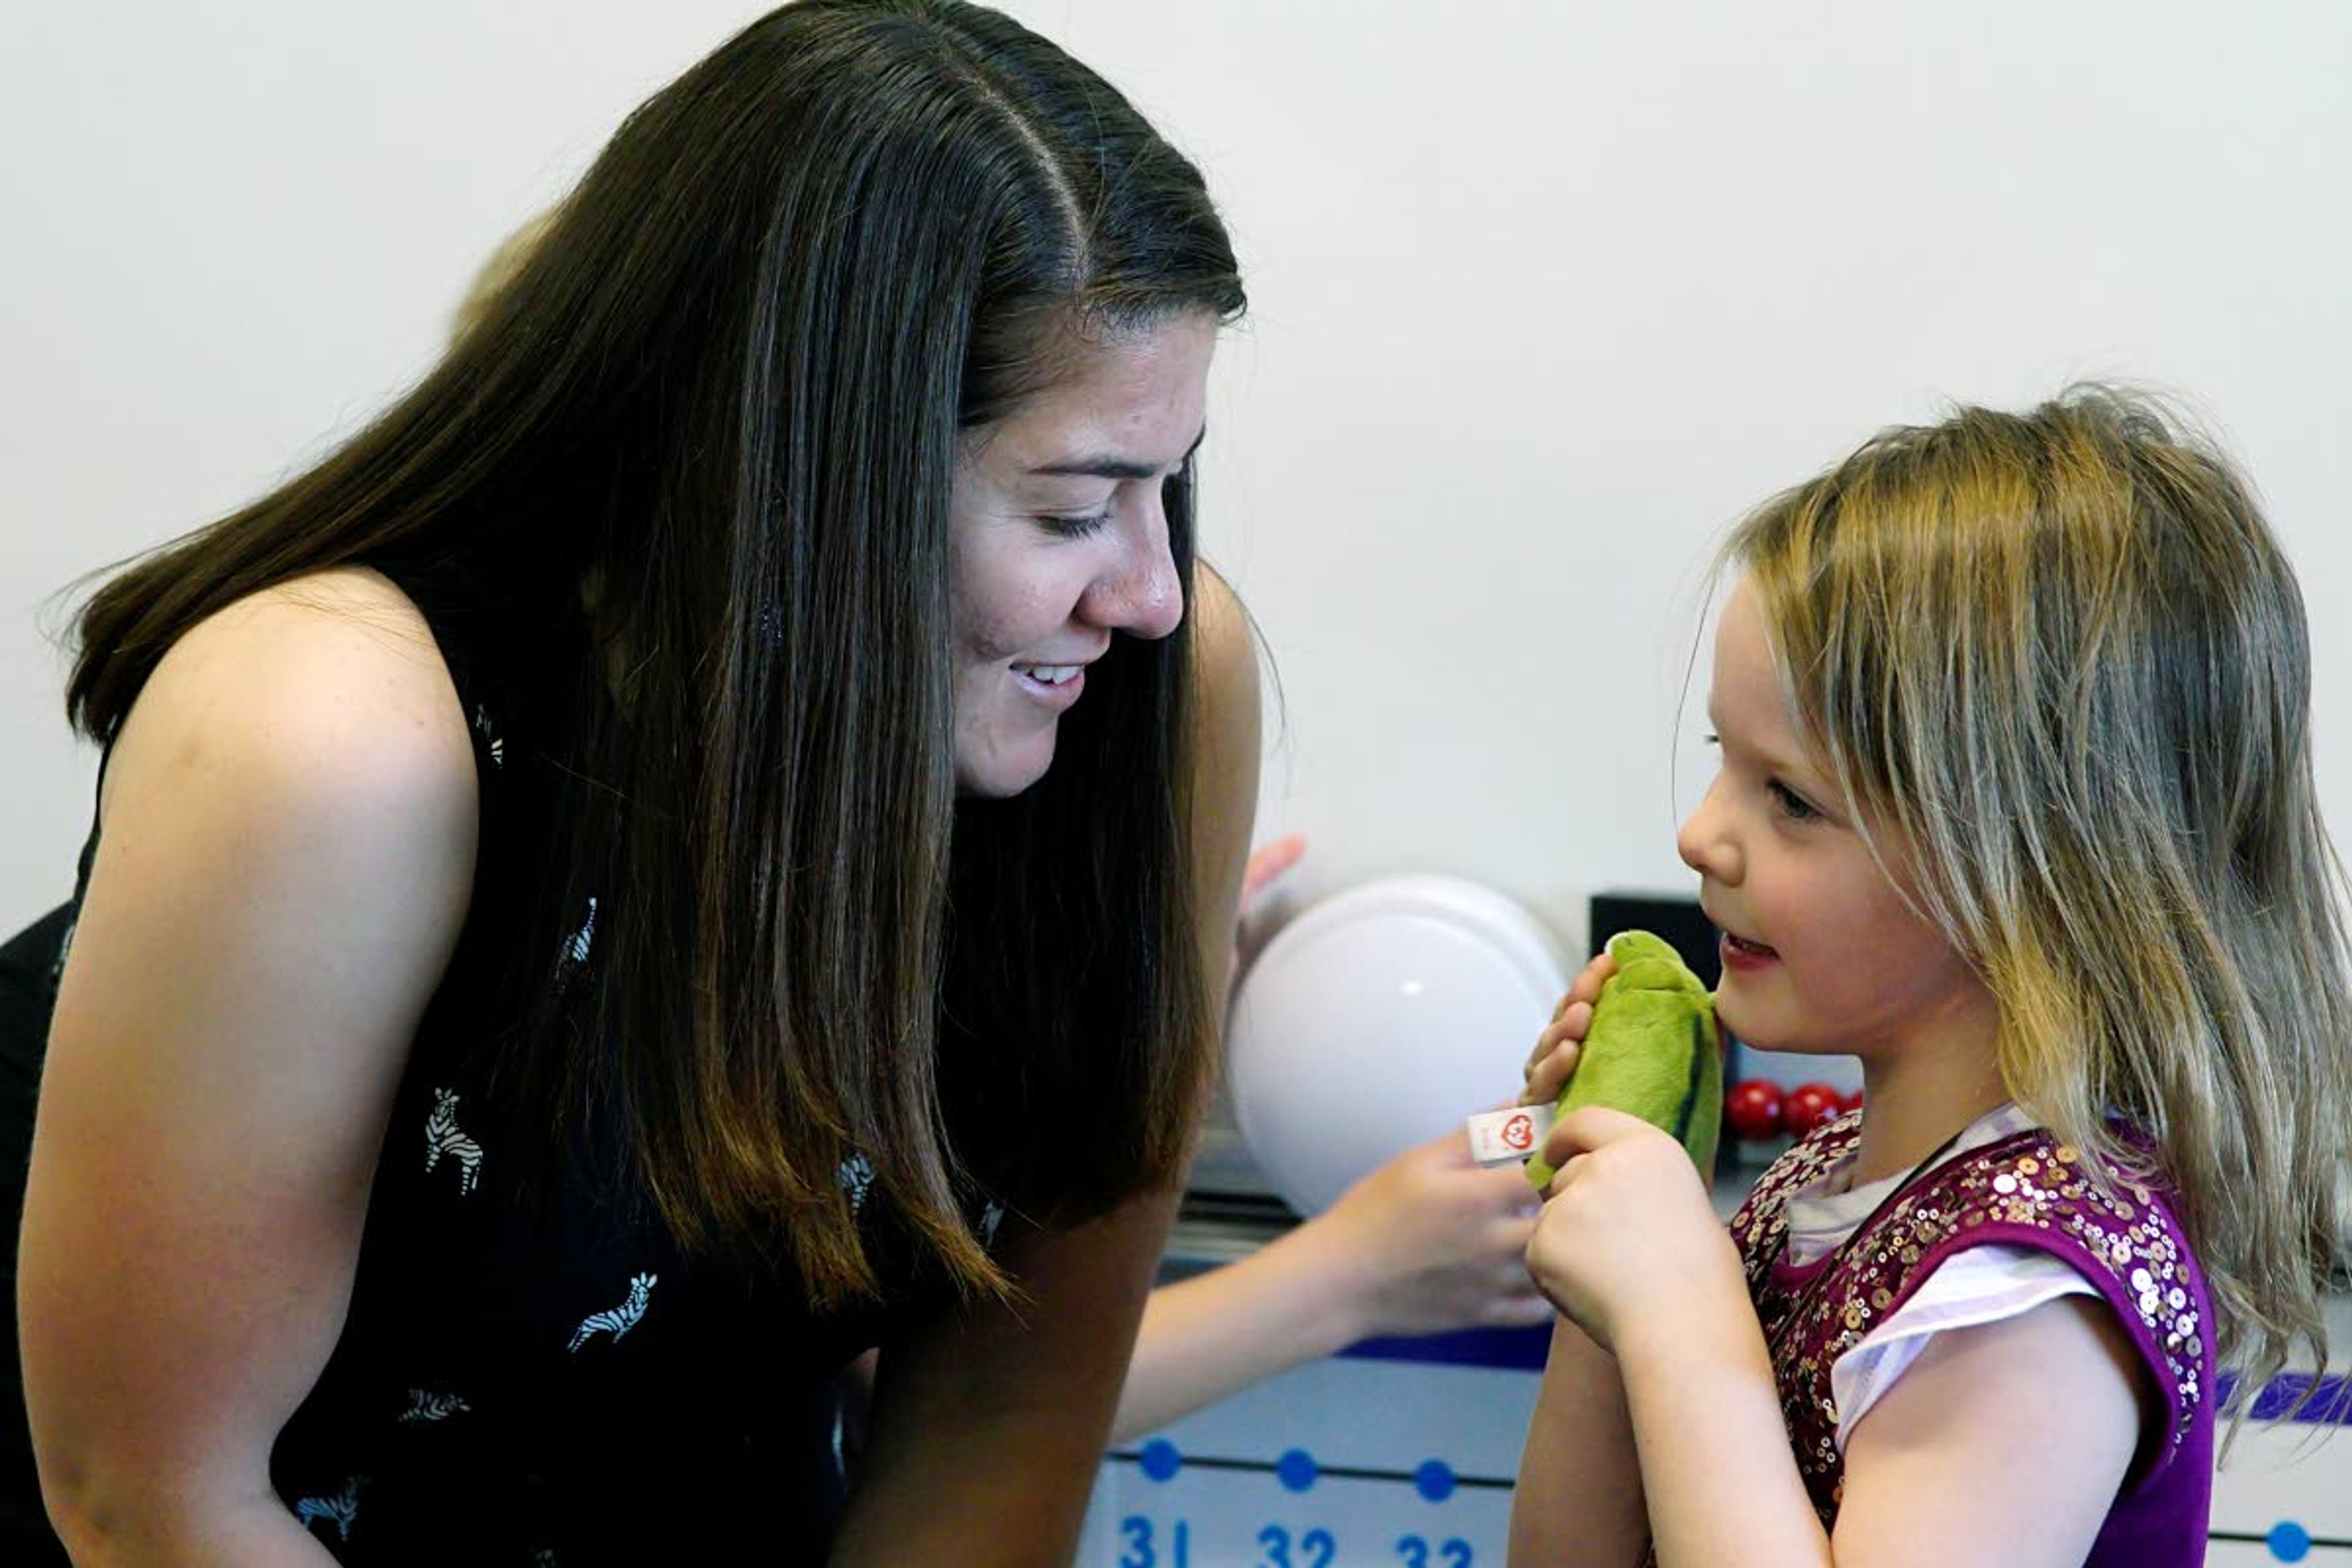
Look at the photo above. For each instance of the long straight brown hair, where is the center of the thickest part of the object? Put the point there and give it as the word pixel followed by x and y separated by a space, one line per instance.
pixel 720 404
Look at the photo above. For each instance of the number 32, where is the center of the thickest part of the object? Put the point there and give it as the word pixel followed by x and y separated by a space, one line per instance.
pixel 1316 1548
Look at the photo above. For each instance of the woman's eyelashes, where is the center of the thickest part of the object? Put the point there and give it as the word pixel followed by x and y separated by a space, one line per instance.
pixel 1079 524
pixel 1078 527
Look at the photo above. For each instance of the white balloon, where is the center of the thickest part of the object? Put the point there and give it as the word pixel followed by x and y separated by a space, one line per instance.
pixel 1376 1019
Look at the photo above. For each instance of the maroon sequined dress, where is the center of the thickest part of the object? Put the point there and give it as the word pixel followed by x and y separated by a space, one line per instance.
pixel 2027 1190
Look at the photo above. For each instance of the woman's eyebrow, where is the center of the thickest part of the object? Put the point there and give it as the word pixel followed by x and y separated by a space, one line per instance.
pixel 1111 468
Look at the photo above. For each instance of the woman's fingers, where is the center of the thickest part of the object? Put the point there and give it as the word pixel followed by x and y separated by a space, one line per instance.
pixel 1267 862
pixel 1521 1306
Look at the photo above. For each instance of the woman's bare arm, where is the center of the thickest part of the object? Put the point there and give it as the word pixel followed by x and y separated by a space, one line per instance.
pixel 285 862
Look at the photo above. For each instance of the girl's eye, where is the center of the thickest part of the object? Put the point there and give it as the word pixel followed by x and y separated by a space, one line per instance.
pixel 1793 806
pixel 1711 739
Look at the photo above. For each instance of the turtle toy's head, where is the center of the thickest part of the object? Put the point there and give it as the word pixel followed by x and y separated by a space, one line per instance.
pixel 1651 1050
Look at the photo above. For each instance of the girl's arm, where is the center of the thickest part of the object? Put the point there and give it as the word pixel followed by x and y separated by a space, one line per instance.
pixel 1721 1483
pixel 988 1423
pixel 1579 1498
pixel 2010 1449
pixel 2038 1416
pixel 285 863
pixel 1578 1501
pixel 2000 1444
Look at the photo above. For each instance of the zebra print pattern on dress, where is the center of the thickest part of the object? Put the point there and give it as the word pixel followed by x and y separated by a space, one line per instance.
pixel 856 1175
pixel 427 1407
pixel 497 745
pixel 575 946
pixel 618 1321
pixel 443 1136
pixel 339 1511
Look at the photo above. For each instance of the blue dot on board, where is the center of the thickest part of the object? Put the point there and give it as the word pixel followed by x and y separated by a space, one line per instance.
pixel 1295 1469
pixel 2289 1542
pixel 1435 1479
pixel 1160 1460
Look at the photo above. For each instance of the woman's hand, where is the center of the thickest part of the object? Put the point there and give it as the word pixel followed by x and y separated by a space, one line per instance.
pixel 1554 1057
pixel 1268 861
pixel 1627 1234
pixel 1426 1243
pixel 1437 1243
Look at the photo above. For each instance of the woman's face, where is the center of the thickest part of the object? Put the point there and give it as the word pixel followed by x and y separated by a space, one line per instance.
pixel 1058 540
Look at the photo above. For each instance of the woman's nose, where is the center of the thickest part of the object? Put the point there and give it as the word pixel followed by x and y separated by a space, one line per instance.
pixel 1139 592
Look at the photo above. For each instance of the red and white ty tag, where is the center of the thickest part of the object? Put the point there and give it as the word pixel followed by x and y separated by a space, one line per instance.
pixel 1509 1136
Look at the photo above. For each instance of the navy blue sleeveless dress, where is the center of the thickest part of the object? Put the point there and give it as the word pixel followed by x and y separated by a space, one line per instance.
pixel 529 1373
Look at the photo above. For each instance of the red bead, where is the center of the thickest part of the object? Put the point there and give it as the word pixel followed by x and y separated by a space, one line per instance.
pixel 1751 1109
pixel 1808 1106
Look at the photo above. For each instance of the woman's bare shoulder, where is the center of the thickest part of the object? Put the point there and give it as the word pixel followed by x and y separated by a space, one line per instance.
pixel 1225 659
pixel 330 687
pixel 303 750
pixel 1222 786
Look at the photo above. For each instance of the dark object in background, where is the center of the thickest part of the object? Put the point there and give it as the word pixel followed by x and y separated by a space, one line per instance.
pixel 1674 918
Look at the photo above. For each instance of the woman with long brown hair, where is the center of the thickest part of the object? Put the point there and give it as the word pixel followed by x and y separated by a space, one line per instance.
pixel 703 840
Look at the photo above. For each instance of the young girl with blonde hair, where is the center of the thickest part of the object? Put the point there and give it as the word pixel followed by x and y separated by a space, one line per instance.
pixel 2015 803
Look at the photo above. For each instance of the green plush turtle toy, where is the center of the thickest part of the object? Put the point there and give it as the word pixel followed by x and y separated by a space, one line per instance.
pixel 1652 1051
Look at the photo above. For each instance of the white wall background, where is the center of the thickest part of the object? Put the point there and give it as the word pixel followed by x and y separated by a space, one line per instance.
pixel 1545 295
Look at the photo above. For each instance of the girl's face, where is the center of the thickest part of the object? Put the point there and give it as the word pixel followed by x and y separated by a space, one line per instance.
pixel 1058 540
pixel 1819 951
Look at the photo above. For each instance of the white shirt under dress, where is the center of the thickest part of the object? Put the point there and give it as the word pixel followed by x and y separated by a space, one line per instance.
pixel 1980 1284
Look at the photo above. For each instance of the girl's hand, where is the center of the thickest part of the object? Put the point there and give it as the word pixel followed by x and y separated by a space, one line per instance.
pixel 1627 1233
pixel 1554 1057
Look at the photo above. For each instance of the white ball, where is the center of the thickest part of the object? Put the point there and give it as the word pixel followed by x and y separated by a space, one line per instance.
pixel 1378 1018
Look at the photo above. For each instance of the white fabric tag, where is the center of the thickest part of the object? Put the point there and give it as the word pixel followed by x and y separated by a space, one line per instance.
pixel 1509 1136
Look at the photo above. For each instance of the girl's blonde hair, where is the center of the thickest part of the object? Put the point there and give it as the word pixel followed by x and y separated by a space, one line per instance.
pixel 2061 657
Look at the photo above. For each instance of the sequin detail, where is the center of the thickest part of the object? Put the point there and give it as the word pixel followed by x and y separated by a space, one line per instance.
pixel 2030 1190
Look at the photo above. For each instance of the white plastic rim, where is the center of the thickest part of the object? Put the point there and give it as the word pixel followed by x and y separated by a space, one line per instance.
pixel 1378 1018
